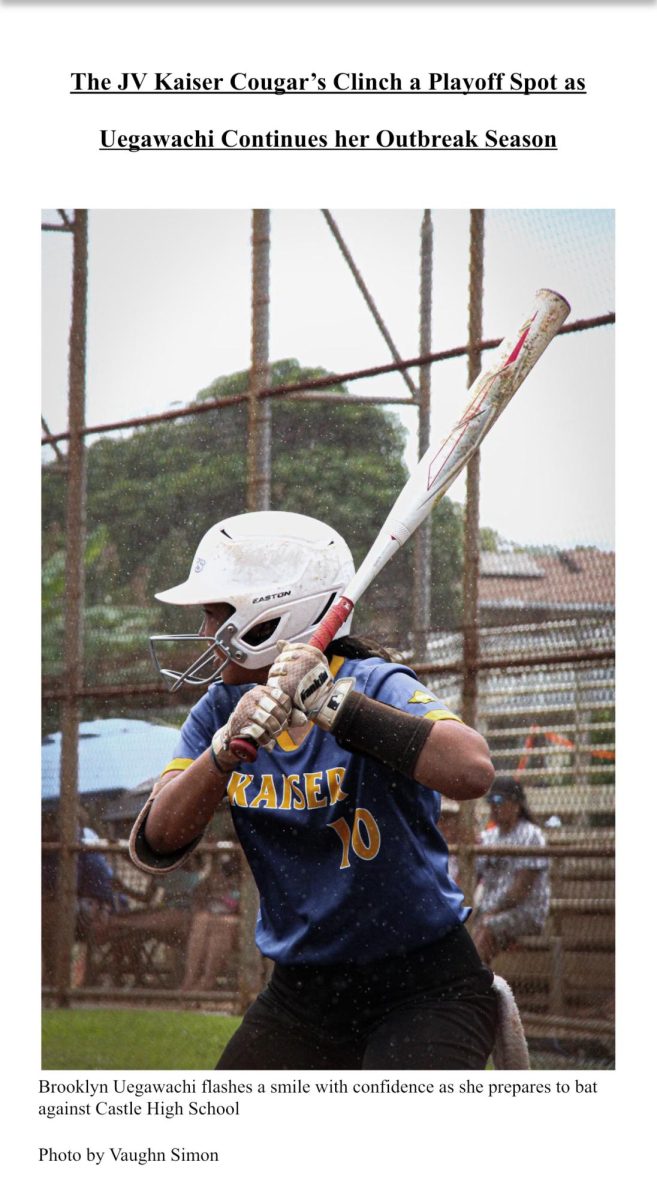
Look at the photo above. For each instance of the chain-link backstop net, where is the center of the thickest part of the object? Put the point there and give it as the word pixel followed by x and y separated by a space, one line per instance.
pixel 543 653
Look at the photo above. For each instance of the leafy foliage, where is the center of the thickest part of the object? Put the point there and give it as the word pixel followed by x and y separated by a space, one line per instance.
pixel 152 495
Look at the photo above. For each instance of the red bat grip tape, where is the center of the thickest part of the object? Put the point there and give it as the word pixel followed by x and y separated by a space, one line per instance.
pixel 333 621
pixel 246 750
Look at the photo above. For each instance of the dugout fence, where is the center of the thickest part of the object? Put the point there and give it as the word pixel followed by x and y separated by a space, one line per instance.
pixel 531 665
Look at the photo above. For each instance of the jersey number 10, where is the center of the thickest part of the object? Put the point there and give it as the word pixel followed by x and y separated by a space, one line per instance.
pixel 364 839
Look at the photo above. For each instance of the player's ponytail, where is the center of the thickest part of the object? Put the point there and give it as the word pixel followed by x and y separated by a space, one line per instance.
pixel 351 646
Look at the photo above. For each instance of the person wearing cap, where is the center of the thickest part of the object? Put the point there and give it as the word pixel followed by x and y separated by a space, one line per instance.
pixel 513 892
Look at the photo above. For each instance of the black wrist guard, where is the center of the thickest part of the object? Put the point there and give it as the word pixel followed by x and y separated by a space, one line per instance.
pixel 393 737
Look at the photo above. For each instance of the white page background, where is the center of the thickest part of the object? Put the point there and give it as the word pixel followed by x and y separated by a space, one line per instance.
pixel 298 1146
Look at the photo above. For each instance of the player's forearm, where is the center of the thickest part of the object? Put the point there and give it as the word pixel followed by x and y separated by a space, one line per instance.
pixel 446 755
pixel 184 805
pixel 455 761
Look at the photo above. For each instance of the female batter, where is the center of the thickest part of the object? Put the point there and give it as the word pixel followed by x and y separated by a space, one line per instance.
pixel 337 814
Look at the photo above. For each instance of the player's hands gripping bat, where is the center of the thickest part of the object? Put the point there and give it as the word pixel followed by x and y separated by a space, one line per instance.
pixel 445 459
pixel 303 672
pixel 256 721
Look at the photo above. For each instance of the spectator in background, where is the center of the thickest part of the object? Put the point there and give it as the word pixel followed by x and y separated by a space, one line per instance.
pixel 513 893
pixel 214 928
pixel 97 894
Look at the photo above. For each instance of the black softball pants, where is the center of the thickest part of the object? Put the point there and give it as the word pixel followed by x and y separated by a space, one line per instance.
pixel 432 1009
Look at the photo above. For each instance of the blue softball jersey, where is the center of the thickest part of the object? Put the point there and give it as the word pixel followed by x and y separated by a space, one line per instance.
pixel 345 852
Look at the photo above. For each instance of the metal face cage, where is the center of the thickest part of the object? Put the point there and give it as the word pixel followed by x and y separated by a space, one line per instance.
pixel 208 666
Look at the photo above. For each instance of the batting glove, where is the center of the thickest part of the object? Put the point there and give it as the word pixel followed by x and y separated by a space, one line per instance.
pixel 304 675
pixel 260 716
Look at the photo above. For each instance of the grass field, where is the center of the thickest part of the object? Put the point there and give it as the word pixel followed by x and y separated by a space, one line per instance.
pixel 102 1039
pixel 132 1040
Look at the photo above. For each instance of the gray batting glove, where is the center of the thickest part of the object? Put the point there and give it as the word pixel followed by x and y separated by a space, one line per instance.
pixel 303 673
pixel 260 716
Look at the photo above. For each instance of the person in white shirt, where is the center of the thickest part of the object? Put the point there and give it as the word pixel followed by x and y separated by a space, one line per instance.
pixel 513 892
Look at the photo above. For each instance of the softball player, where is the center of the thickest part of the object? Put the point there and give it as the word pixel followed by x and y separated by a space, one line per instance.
pixel 337 814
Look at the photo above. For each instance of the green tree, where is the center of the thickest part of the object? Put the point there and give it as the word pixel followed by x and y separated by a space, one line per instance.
pixel 154 493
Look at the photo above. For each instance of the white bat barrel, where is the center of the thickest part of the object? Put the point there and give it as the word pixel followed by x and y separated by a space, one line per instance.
pixel 444 460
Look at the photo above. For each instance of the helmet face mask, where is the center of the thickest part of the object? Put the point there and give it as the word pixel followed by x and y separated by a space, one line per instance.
pixel 279 573
pixel 199 673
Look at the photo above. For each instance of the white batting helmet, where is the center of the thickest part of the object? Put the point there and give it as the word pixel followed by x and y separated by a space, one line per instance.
pixel 279 572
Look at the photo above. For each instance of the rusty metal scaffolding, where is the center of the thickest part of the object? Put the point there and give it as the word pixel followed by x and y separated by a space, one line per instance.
pixel 467 661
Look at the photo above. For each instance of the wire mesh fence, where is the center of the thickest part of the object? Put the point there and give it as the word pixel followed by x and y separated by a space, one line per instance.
pixel 539 668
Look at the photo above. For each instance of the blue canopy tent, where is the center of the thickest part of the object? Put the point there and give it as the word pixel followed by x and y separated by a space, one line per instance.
pixel 115 756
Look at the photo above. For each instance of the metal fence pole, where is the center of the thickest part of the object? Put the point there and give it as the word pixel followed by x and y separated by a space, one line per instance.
pixel 369 300
pixel 258 455
pixel 471 541
pixel 74 614
pixel 422 541
pixel 258 452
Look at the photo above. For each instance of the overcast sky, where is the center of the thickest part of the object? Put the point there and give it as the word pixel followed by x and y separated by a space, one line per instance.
pixel 169 311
